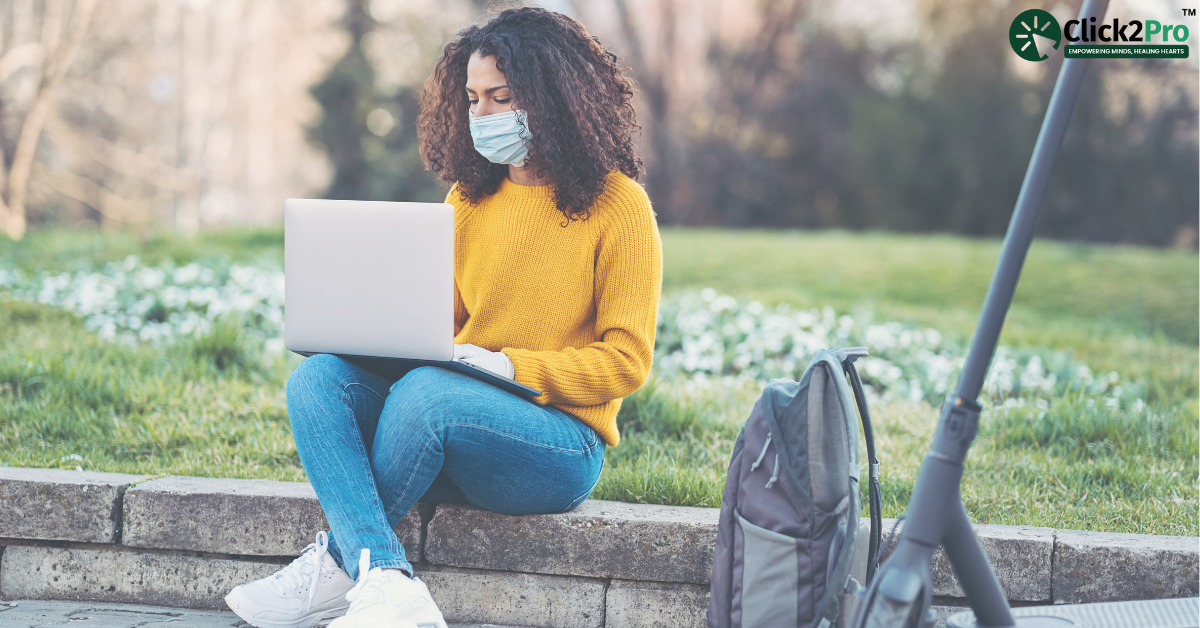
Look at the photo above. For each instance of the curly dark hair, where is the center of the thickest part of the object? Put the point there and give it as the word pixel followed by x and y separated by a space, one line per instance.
pixel 576 95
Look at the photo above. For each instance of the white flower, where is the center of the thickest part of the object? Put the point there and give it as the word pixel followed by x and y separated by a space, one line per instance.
pixel 709 335
pixel 704 338
pixel 127 301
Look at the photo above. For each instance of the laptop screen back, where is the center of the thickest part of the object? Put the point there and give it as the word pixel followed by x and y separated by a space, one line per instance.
pixel 369 278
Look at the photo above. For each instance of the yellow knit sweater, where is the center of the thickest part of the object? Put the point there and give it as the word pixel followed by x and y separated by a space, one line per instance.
pixel 574 307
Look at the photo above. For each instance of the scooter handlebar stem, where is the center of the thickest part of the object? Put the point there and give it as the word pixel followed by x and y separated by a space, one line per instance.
pixel 901 593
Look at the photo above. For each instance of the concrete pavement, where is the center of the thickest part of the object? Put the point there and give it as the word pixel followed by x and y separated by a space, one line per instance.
pixel 42 613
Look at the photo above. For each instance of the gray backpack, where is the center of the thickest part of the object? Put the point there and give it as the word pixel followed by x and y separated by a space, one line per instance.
pixel 789 514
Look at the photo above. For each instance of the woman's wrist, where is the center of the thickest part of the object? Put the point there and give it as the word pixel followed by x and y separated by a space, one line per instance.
pixel 494 361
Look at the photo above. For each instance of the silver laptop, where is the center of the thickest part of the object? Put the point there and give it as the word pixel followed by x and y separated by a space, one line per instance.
pixel 374 282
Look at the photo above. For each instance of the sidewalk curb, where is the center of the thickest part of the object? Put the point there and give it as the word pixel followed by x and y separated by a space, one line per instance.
pixel 187 541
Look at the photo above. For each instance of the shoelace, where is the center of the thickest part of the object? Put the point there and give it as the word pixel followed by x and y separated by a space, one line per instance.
pixel 292 577
pixel 367 591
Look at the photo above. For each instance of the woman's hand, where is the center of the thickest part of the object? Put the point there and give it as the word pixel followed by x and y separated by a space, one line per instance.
pixel 493 361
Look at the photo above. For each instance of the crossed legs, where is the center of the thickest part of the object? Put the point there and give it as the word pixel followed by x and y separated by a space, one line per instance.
pixel 372 447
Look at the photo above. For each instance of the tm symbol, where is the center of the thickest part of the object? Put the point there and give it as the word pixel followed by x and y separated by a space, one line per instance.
pixel 1190 12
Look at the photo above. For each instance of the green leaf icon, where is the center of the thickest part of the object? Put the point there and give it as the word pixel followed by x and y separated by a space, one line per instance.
pixel 1033 34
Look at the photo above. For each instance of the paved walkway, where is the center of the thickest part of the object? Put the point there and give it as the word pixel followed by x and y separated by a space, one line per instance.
pixel 43 613
pixel 40 613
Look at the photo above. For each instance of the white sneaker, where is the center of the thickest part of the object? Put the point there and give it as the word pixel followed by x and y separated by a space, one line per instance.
pixel 388 599
pixel 307 592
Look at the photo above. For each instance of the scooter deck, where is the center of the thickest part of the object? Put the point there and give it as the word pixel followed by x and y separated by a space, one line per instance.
pixel 1177 613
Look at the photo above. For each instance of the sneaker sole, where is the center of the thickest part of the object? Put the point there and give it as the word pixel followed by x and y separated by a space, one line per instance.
pixel 308 621
pixel 427 624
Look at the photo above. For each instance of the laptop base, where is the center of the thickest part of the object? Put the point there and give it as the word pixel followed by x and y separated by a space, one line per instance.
pixel 397 367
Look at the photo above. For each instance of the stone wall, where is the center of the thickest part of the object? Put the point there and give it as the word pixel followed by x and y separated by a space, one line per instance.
pixel 183 541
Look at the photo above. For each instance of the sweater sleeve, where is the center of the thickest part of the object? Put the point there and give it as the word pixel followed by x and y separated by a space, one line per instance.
pixel 628 283
pixel 460 311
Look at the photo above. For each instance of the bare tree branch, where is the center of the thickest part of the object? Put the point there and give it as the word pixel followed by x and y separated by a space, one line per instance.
pixel 19 57
pixel 123 160
pixel 13 60
pixel 55 66
pixel 109 203
pixel 52 17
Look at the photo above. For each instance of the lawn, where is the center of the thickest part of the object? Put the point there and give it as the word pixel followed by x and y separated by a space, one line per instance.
pixel 1115 450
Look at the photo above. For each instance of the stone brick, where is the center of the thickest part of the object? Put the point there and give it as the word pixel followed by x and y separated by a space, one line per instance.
pixel 632 604
pixel 123 576
pixel 1020 556
pixel 1109 567
pixel 60 505
pixel 599 539
pixel 241 517
pixel 471 596
pixel 944 613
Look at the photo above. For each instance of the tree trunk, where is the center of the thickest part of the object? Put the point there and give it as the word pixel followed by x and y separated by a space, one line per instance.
pixel 57 61
pixel 660 174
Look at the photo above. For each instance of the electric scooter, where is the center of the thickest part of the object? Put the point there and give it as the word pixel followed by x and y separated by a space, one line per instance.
pixel 900 595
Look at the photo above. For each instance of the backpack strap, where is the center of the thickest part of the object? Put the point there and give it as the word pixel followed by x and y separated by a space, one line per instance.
pixel 873 492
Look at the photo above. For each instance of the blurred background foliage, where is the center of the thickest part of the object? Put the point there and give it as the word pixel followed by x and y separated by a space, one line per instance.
pixel 861 114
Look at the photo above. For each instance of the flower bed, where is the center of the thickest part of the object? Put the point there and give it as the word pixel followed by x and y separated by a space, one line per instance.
pixel 131 302
pixel 704 338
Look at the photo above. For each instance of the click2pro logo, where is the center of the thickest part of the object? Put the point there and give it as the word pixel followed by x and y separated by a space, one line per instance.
pixel 1034 34
pixel 1079 31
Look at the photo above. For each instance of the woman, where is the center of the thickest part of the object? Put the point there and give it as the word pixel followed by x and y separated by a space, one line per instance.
pixel 558 268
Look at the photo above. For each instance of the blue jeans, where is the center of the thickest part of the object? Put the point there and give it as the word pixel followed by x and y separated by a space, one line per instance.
pixel 373 446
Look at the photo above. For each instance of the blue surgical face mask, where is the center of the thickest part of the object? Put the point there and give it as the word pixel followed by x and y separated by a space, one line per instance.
pixel 501 137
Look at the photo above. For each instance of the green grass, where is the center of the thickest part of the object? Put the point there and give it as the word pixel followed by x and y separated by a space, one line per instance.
pixel 208 407
pixel 186 409
pixel 941 280
pixel 1077 467
pixel 72 249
